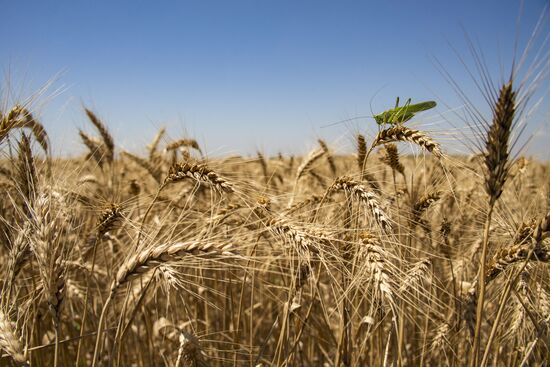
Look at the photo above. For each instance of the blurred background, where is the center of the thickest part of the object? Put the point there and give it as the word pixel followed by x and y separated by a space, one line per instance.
pixel 241 76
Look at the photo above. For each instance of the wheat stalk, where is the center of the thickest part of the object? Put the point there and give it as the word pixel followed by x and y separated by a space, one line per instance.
pixel 304 240
pixel 199 173
pixel 403 133
pixel 19 117
pixel 496 164
pixel 192 143
pixel 155 172
pixel 308 162
pixel 424 202
pixel 10 341
pixel 510 256
pixel 49 250
pixel 189 351
pixel 355 189
pixel 497 142
pixel 149 258
pixel 361 151
pixel 330 158
pixel 391 158
pixel 19 253
pixel 26 177
pixel 153 146
pixel 96 148
pixel 106 137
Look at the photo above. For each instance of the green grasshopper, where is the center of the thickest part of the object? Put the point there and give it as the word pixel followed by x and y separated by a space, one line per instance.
pixel 399 115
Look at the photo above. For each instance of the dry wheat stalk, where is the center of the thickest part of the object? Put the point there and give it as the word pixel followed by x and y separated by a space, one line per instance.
pixel 153 146
pixel 95 147
pixel 391 158
pixel 302 276
pixel 496 156
pixel 519 322
pixel 192 143
pixel 106 137
pixel 108 219
pixel 19 252
pixel 417 275
pixel 527 246
pixel 424 202
pixel 304 240
pixel 470 306
pixel 375 261
pixel 88 179
pixel 330 158
pixel 263 164
pixel 543 304
pixel 199 173
pixel 403 133
pixel 355 189
pixel 497 142
pixel 320 179
pixel 18 118
pixel 310 201
pixel 10 341
pixel 149 258
pixel 361 151
pixel 308 162
pixel 441 337
pixel 49 247
pixel 26 177
pixel 155 172
pixel 189 352
pixel 509 256
pixel 541 230
pixel 372 181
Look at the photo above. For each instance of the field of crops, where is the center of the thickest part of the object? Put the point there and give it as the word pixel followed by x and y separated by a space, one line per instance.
pixel 373 258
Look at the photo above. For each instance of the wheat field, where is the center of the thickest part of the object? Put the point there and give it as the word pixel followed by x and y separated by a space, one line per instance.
pixel 172 258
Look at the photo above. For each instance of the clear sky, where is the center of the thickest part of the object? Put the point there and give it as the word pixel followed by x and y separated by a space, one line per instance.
pixel 246 75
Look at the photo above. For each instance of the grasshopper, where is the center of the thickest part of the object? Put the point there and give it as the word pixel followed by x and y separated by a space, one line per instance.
pixel 401 114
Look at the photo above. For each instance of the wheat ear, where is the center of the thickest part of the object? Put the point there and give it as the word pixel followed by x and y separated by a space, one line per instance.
pixel 199 173
pixel 192 143
pixel 330 158
pixel 145 164
pixel 19 253
pixel 169 252
pixel 189 351
pixel 355 189
pixel 10 341
pixel 19 117
pixel 497 142
pixel 361 151
pixel 105 135
pixel 496 163
pixel 403 133
pixel 95 147
pixel 148 259
pixel 391 158
pixel 26 177
pixel 153 146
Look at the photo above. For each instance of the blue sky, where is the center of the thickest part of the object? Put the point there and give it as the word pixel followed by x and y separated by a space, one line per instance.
pixel 247 75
